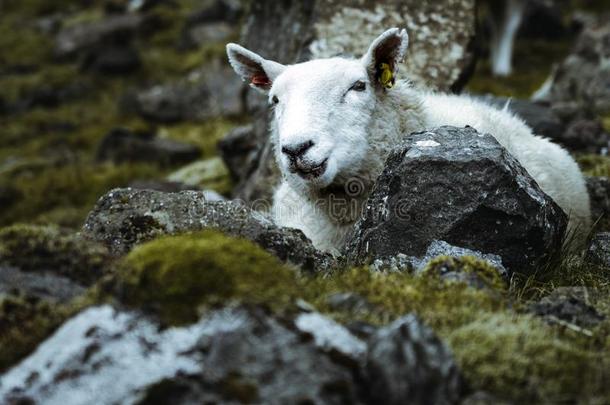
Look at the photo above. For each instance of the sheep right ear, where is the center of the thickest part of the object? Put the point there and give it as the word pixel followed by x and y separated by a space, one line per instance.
pixel 253 69
pixel 384 55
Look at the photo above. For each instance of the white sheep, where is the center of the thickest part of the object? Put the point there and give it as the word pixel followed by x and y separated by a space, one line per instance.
pixel 336 120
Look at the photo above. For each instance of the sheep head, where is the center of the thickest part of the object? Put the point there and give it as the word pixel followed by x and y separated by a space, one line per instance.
pixel 323 108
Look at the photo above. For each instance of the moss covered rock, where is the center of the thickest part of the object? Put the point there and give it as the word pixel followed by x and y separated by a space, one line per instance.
pixel 520 358
pixel 25 322
pixel 47 248
pixel 176 275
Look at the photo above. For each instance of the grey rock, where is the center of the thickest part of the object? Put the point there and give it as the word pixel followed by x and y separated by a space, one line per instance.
pixel 586 135
pixel 599 250
pixel 449 272
pixel 214 22
pixel 78 38
pixel 568 304
pixel 121 145
pixel 407 363
pixel 162 185
pixel 599 193
pixel 112 59
pixel 331 337
pixel 230 355
pixel 205 93
pixel 238 150
pixel 45 285
pixel 125 217
pixel 584 76
pixel 294 31
pixel 457 185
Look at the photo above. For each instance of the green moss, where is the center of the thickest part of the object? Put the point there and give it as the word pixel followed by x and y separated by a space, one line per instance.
pixel 441 305
pixel 176 275
pixel 211 174
pixel 606 122
pixel 594 165
pixel 205 135
pixel 24 323
pixel 33 248
pixel 15 87
pixel 74 187
pixel 484 271
pixel 520 358
pixel 21 46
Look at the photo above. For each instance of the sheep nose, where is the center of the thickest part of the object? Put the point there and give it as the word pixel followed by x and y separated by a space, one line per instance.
pixel 297 150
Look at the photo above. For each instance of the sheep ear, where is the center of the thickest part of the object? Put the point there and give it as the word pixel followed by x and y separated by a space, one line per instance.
pixel 384 55
pixel 253 69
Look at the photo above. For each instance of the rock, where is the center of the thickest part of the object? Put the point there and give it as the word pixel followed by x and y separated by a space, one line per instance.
pixel 452 264
pixel 116 29
pixel 599 250
pixel 121 145
pixel 331 337
pixel 586 135
pixel 214 23
pixel 238 150
pixel 407 363
pixel 112 59
pixel 402 262
pixel 480 196
pixel 50 252
pixel 208 92
pixel 439 54
pixel 230 355
pixel 162 185
pixel 541 118
pixel 570 305
pixel 45 285
pixel 584 76
pixel 125 217
pixel 208 173
pixel 599 192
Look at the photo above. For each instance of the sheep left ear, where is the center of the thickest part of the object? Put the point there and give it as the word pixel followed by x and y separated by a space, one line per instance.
pixel 384 55
pixel 253 68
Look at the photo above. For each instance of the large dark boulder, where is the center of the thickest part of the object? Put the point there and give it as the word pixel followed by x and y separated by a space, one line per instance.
pixel 407 363
pixel 463 187
pixel 125 217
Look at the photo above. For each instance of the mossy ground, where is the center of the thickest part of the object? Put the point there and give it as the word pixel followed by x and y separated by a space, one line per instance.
pixel 43 248
pixel 47 160
pixel 47 151
pixel 500 347
pixel 24 322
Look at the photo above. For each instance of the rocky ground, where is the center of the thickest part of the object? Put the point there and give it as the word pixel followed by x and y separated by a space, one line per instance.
pixel 130 273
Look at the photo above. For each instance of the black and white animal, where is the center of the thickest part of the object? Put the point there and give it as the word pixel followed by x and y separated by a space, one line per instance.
pixel 337 119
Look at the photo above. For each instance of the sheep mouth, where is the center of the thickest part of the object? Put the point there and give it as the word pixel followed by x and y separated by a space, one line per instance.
pixel 309 172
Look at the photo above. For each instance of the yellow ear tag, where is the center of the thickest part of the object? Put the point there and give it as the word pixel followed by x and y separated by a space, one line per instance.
pixel 386 78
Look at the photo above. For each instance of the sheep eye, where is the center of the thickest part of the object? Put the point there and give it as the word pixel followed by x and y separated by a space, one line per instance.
pixel 358 86
pixel 275 100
